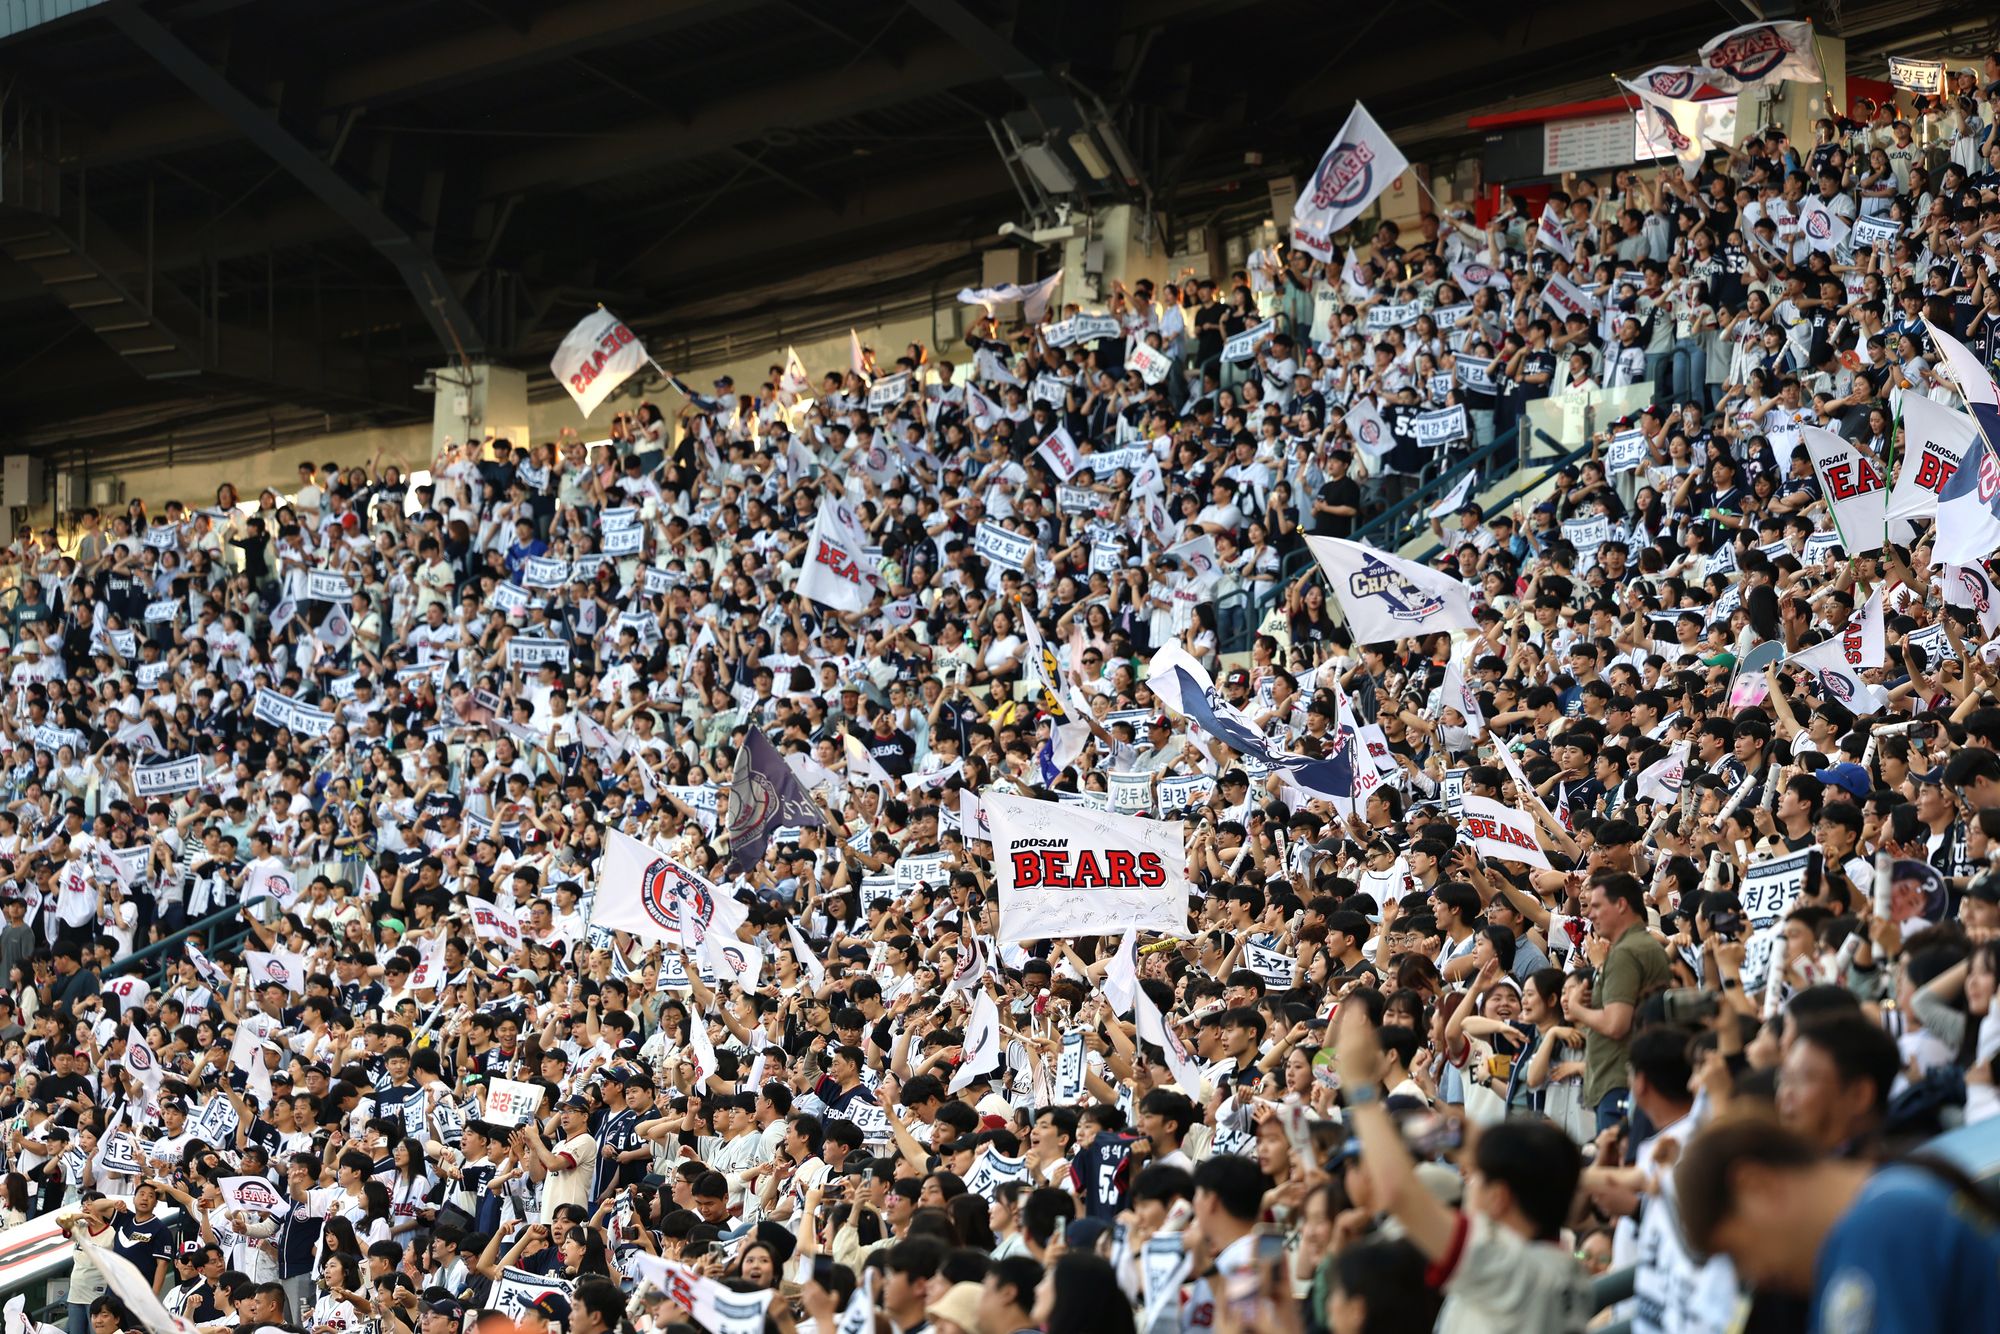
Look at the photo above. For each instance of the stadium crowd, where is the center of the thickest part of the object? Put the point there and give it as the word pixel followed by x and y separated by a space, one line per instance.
pixel 390 726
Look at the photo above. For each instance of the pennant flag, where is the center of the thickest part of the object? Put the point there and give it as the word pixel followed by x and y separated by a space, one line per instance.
pixel 1357 166
pixel 289 970
pixel 857 359
pixel 1366 429
pixel 1457 694
pixel 803 951
pixel 1059 451
pixel 1760 53
pixel 1852 486
pixel 1675 82
pixel 1386 597
pixel 1550 234
pixel 1502 832
pixel 795 383
pixel 981 1048
pixel 764 795
pixel 1455 499
pixel 1153 1028
pixel 1064 870
pixel 1974 381
pixel 1935 441
pixel 1121 976
pixel 862 766
pixel 597 356
pixel 1059 750
pixel 1565 298
pixel 837 573
pixel 1042 670
pixel 1838 663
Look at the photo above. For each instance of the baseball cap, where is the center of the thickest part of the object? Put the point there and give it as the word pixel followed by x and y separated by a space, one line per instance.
pixel 1849 778
pixel 553 1305
pixel 1238 677
pixel 448 1306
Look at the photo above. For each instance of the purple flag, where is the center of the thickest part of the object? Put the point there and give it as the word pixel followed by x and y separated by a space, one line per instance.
pixel 763 795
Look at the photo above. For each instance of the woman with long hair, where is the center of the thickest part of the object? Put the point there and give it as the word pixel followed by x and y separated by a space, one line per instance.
pixel 1080 1295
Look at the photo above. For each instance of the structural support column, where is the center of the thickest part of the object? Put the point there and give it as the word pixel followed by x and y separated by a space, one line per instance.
pixel 492 400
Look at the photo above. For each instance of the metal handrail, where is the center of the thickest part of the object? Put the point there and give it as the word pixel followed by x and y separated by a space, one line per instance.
pixel 1389 519
pixel 170 946
pixel 1560 461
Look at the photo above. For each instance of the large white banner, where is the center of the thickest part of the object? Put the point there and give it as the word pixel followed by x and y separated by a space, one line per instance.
pixel 837 575
pixel 1917 76
pixel 1357 166
pixel 1853 489
pixel 597 356
pixel 1072 871
pixel 1759 53
pixel 1935 439
pixel 1502 832
pixel 1007 550
pixel 1386 597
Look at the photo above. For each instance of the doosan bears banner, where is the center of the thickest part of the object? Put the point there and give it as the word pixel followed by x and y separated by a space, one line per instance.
pixel 1502 832
pixel 1067 871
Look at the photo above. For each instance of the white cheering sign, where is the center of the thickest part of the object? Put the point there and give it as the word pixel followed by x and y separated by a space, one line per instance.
pixel 533 651
pixel 1441 427
pixel 163 780
pixel 544 572
pixel 511 1103
pixel 1005 549
pixel 1067 871
pixel 1243 346
pixel 283 711
pixel 1151 363
pixel 888 391
pixel 328 586
pixel 1624 452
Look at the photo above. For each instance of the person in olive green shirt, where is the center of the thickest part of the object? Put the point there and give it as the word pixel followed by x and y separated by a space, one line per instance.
pixel 1633 966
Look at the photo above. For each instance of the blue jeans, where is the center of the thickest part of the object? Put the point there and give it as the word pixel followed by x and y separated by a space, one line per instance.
pixel 1613 1108
pixel 1689 362
pixel 79 1319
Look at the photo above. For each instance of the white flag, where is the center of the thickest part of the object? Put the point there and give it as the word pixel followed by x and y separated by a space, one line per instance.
pixel 1852 486
pixel 1968 528
pixel 862 767
pixel 281 966
pixel 1153 1028
pixel 1065 870
pixel 1121 976
pixel 1839 662
pixel 1969 586
pixel 1365 427
pixel 597 356
pixel 640 889
pixel 1671 127
pixel 981 1048
pixel 1935 439
pixel 1502 832
pixel 1386 597
pixel 1059 451
pixel 1760 53
pixel 1824 230
pixel 1357 166
pixel 837 574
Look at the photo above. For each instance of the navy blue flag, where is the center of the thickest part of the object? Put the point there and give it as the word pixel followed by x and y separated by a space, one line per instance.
pixel 764 794
pixel 1331 777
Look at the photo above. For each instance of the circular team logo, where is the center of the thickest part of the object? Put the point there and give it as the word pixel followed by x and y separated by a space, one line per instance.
pixel 1680 83
pixel 1202 564
pixel 739 962
pixel 277 972
pixel 662 890
pixel 1818 224
pixel 1369 433
pixel 139 1057
pixel 844 514
pixel 1989 477
pixel 1836 685
pixel 878 459
pixel 1975 590
pixel 1344 176
pixel 1478 274
pixel 1751 55
pixel 753 804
